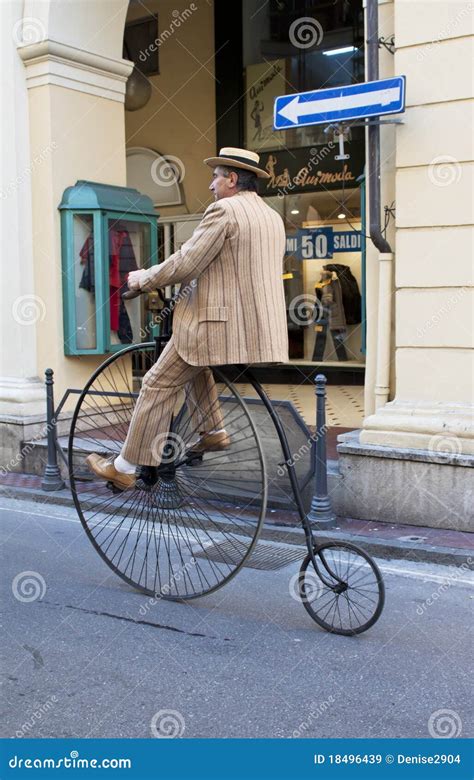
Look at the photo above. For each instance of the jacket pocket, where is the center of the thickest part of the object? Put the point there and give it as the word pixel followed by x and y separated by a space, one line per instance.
pixel 213 314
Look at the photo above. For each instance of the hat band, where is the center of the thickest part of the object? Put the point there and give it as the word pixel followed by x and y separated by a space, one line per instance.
pixel 244 160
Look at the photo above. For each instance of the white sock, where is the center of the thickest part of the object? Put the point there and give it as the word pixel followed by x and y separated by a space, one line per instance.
pixel 124 466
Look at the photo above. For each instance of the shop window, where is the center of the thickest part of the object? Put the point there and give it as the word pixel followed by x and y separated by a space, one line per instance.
pixel 296 46
pixel 324 277
pixel 141 44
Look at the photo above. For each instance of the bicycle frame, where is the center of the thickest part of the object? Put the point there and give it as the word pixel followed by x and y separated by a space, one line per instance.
pixel 245 371
pixel 162 339
pixel 310 541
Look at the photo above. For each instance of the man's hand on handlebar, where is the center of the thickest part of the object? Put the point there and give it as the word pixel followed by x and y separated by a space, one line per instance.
pixel 133 279
pixel 134 290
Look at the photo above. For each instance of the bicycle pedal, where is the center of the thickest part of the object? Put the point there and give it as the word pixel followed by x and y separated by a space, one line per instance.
pixel 147 476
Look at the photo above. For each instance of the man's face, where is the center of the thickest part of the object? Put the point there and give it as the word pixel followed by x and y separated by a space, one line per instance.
pixel 223 185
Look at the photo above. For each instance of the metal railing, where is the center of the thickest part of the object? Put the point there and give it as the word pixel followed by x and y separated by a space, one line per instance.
pixel 321 513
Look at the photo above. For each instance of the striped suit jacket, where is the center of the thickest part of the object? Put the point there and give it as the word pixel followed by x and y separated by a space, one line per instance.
pixel 231 306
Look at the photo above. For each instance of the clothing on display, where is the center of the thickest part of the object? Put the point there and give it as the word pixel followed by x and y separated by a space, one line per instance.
pixel 121 262
pixel 351 299
pixel 329 316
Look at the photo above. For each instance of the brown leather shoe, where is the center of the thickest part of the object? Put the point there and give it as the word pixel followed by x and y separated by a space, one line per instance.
pixel 105 469
pixel 211 442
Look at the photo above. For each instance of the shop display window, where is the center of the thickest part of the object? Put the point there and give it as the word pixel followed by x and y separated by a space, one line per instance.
pixel 323 277
pixel 100 247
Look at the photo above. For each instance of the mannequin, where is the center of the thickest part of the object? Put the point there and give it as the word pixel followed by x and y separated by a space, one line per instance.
pixel 332 317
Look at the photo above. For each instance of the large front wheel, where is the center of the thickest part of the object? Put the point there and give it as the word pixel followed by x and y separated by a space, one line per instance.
pixel 186 528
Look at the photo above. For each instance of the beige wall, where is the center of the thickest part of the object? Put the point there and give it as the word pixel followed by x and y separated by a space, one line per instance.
pixel 433 175
pixel 180 117
pixel 80 152
pixel 435 198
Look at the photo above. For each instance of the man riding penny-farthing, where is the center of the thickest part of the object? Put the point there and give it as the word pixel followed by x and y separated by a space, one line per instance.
pixel 180 490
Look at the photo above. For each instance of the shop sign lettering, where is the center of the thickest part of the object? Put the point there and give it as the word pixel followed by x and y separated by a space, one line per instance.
pixel 311 169
pixel 322 243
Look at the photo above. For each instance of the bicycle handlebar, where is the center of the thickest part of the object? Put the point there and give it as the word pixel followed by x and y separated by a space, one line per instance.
pixel 130 294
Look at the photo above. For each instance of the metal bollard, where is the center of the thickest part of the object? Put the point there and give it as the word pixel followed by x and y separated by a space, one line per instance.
pixel 321 511
pixel 52 479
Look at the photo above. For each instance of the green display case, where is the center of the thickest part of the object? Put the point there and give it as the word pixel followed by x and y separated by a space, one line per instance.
pixel 106 232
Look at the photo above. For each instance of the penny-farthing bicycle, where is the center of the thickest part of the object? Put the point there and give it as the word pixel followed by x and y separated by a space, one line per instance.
pixel 190 524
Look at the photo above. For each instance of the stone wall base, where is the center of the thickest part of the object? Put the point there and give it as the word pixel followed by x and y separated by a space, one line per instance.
pixel 18 436
pixel 414 487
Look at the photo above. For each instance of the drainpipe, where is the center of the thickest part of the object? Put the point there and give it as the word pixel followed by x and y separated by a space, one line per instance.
pixel 382 374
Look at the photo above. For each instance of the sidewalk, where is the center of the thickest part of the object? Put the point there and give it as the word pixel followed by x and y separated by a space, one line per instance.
pixel 408 542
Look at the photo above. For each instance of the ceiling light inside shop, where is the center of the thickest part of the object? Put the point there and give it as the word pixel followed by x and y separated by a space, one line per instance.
pixel 294 211
pixel 343 50
pixel 341 215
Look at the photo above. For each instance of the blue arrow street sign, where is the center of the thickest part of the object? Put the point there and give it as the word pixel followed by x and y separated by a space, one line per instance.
pixel 338 104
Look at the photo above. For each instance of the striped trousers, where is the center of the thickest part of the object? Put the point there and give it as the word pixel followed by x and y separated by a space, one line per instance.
pixel 162 385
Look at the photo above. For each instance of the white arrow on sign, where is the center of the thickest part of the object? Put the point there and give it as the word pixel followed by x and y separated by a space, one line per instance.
pixel 381 97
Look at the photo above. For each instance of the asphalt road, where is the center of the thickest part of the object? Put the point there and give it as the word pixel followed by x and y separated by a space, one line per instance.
pixel 90 657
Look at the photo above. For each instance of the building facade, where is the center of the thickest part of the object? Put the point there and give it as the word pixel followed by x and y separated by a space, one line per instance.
pixel 212 70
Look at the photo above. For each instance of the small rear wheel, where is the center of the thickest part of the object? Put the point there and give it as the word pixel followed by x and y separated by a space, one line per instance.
pixel 343 591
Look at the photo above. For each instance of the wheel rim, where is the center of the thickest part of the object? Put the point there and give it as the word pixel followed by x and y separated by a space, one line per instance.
pixel 345 596
pixel 185 535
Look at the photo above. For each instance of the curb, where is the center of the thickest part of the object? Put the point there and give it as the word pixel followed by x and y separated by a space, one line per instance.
pixel 376 546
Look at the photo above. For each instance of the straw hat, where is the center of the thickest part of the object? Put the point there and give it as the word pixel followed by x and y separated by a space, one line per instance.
pixel 238 158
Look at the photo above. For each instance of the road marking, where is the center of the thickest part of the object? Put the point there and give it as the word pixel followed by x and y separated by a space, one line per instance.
pixel 431 577
pixel 40 514
pixel 386 568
